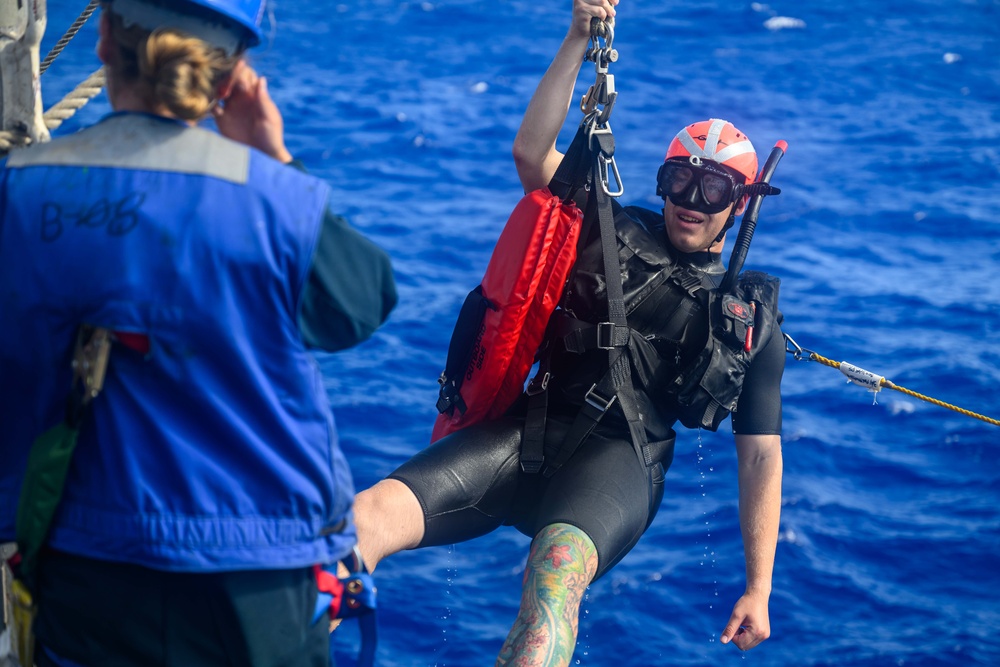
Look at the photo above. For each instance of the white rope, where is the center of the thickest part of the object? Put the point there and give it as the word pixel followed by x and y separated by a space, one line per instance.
pixel 75 100
pixel 9 140
pixel 71 103
pixel 58 112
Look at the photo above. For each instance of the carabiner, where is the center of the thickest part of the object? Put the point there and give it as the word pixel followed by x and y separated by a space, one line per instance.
pixel 605 181
pixel 605 155
pixel 796 350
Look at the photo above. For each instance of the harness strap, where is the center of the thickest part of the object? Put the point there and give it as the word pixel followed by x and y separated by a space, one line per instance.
pixel 533 438
pixel 596 403
pixel 617 381
pixel 689 282
pixel 571 175
pixel 351 596
pixel 601 336
pixel 574 168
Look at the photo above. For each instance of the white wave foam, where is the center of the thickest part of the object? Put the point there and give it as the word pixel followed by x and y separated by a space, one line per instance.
pixel 901 408
pixel 781 22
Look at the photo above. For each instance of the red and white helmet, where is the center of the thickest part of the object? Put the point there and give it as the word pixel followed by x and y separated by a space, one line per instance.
pixel 717 140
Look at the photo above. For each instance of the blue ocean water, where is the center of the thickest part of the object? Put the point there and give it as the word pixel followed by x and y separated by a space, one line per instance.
pixel 885 238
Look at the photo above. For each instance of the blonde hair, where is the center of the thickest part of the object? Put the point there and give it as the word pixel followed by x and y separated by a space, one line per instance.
pixel 169 69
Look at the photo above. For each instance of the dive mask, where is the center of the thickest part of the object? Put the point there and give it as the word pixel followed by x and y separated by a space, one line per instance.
pixel 697 184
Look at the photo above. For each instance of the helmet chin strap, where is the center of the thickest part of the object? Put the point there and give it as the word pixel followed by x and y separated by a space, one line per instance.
pixel 726 227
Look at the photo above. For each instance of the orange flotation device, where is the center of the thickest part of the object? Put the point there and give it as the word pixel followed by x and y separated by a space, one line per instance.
pixel 503 320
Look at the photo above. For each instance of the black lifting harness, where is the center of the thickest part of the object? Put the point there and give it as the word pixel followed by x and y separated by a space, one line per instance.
pixel 705 387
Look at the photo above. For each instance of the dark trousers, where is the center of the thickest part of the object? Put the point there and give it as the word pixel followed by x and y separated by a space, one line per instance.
pixel 103 614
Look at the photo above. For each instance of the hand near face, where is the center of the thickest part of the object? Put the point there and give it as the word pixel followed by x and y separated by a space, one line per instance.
pixel 247 114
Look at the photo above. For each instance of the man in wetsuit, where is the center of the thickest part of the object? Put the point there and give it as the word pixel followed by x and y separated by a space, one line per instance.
pixel 585 511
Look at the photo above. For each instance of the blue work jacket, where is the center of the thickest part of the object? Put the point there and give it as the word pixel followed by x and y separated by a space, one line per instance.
pixel 215 449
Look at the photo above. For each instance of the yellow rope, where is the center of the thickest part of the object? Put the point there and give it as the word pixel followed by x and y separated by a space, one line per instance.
pixel 886 383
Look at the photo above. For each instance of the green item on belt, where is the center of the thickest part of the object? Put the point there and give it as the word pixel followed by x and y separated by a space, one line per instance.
pixel 44 479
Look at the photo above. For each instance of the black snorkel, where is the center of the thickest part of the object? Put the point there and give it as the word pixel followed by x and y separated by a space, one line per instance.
pixel 749 221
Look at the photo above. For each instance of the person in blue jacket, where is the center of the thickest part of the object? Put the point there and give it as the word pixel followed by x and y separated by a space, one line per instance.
pixel 207 480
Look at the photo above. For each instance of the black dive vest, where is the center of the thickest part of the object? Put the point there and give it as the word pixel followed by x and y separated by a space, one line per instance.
pixel 687 343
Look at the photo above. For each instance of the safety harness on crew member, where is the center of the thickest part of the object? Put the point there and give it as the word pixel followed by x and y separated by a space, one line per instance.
pixel 690 363
pixel 704 383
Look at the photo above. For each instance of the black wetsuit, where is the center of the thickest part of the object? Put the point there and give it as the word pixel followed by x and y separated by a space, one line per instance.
pixel 470 482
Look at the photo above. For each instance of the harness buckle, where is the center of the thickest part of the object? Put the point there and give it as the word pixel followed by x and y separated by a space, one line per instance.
pixel 598 402
pixel 606 335
pixel 536 386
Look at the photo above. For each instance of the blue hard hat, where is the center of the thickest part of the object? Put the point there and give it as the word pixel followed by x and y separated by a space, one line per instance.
pixel 231 24
pixel 246 13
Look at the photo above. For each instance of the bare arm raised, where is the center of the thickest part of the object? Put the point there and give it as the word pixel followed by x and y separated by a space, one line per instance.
pixel 535 154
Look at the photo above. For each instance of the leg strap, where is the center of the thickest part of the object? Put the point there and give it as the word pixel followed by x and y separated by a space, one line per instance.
pixel 350 596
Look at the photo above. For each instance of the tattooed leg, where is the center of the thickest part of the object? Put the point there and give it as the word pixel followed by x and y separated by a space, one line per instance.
pixel 561 565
